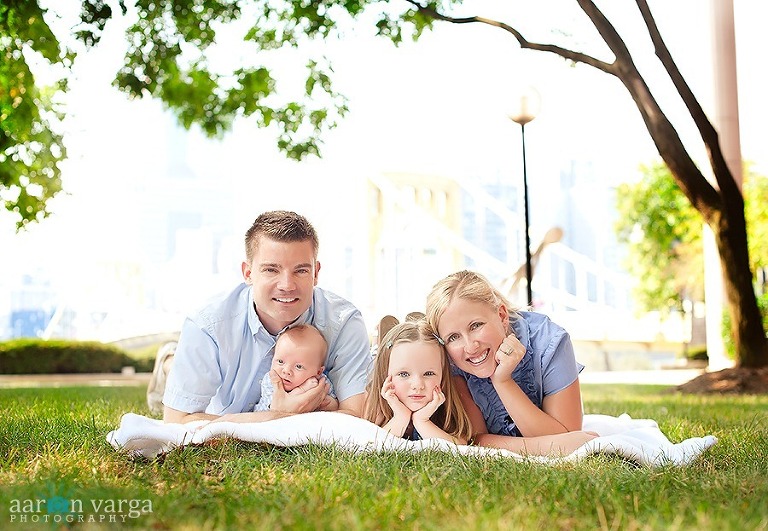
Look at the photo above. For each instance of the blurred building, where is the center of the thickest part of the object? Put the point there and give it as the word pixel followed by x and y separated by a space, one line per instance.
pixel 423 227
pixel 414 238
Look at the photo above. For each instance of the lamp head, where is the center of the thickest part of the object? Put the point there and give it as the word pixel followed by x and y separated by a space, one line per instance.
pixel 528 104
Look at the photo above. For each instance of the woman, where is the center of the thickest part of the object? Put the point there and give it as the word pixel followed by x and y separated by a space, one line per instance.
pixel 515 371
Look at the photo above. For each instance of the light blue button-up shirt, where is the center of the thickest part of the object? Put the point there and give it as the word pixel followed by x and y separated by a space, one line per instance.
pixel 224 352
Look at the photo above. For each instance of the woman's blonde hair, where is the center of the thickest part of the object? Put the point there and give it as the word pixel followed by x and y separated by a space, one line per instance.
pixel 450 416
pixel 466 285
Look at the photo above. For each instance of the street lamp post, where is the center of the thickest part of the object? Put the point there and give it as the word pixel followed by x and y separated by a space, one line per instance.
pixel 526 110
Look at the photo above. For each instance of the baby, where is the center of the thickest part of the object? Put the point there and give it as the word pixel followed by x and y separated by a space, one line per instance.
pixel 300 353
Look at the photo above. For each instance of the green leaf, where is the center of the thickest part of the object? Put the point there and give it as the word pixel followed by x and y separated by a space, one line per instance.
pixel 663 233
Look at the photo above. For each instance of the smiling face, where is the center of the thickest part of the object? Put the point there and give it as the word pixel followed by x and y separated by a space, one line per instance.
pixel 416 369
pixel 299 355
pixel 283 276
pixel 473 332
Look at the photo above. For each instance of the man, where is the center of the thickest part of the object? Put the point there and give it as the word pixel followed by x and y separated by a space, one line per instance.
pixel 225 350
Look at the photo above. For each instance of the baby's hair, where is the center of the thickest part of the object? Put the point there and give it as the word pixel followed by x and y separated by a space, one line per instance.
pixel 305 329
pixel 466 285
pixel 450 416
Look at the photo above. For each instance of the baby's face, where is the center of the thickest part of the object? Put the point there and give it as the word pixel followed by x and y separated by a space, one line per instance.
pixel 296 363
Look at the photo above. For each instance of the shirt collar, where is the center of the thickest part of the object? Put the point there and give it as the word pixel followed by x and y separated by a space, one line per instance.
pixel 519 326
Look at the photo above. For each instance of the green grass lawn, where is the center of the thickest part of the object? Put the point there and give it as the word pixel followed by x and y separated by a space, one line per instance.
pixel 55 463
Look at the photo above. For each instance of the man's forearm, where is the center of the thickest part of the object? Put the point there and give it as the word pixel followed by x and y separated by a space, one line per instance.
pixel 179 417
pixel 175 416
pixel 353 405
pixel 254 416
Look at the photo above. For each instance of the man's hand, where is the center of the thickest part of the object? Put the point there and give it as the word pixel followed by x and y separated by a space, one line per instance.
pixel 329 404
pixel 305 398
pixel 310 383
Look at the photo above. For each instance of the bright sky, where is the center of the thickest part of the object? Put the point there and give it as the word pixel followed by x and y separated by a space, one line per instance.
pixel 438 106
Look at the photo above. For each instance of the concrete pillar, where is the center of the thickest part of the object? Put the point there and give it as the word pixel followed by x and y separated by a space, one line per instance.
pixel 726 120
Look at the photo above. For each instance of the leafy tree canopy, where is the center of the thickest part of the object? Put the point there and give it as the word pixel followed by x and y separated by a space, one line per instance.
pixel 167 59
pixel 756 212
pixel 30 150
pixel 663 233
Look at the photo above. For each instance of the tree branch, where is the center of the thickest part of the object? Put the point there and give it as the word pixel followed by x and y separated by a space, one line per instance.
pixel 699 191
pixel 565 53
pixel 707 131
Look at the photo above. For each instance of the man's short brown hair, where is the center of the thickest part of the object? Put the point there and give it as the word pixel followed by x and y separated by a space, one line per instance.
pixel 281 226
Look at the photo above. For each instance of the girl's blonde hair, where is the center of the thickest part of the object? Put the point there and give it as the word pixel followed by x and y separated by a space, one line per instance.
pixel 450 416
pixel 466 285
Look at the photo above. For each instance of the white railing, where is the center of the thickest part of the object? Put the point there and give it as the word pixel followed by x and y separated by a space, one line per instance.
pixel 591 300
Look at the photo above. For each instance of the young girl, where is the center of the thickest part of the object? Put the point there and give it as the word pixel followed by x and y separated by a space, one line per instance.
pixel 411 393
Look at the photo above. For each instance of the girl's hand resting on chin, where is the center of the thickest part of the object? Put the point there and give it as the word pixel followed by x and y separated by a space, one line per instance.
pixel 388 393
pixel 425 413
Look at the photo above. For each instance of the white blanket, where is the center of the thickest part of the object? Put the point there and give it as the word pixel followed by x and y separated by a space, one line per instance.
pixel 638 440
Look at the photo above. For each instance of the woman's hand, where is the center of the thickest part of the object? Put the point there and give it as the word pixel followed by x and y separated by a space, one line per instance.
pixel 507 357
pixel 388 393
pixel 425 413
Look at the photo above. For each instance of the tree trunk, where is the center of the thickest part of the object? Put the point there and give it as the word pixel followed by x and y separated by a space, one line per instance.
pixel 722 208
pixel 746 320
pixel 723 211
